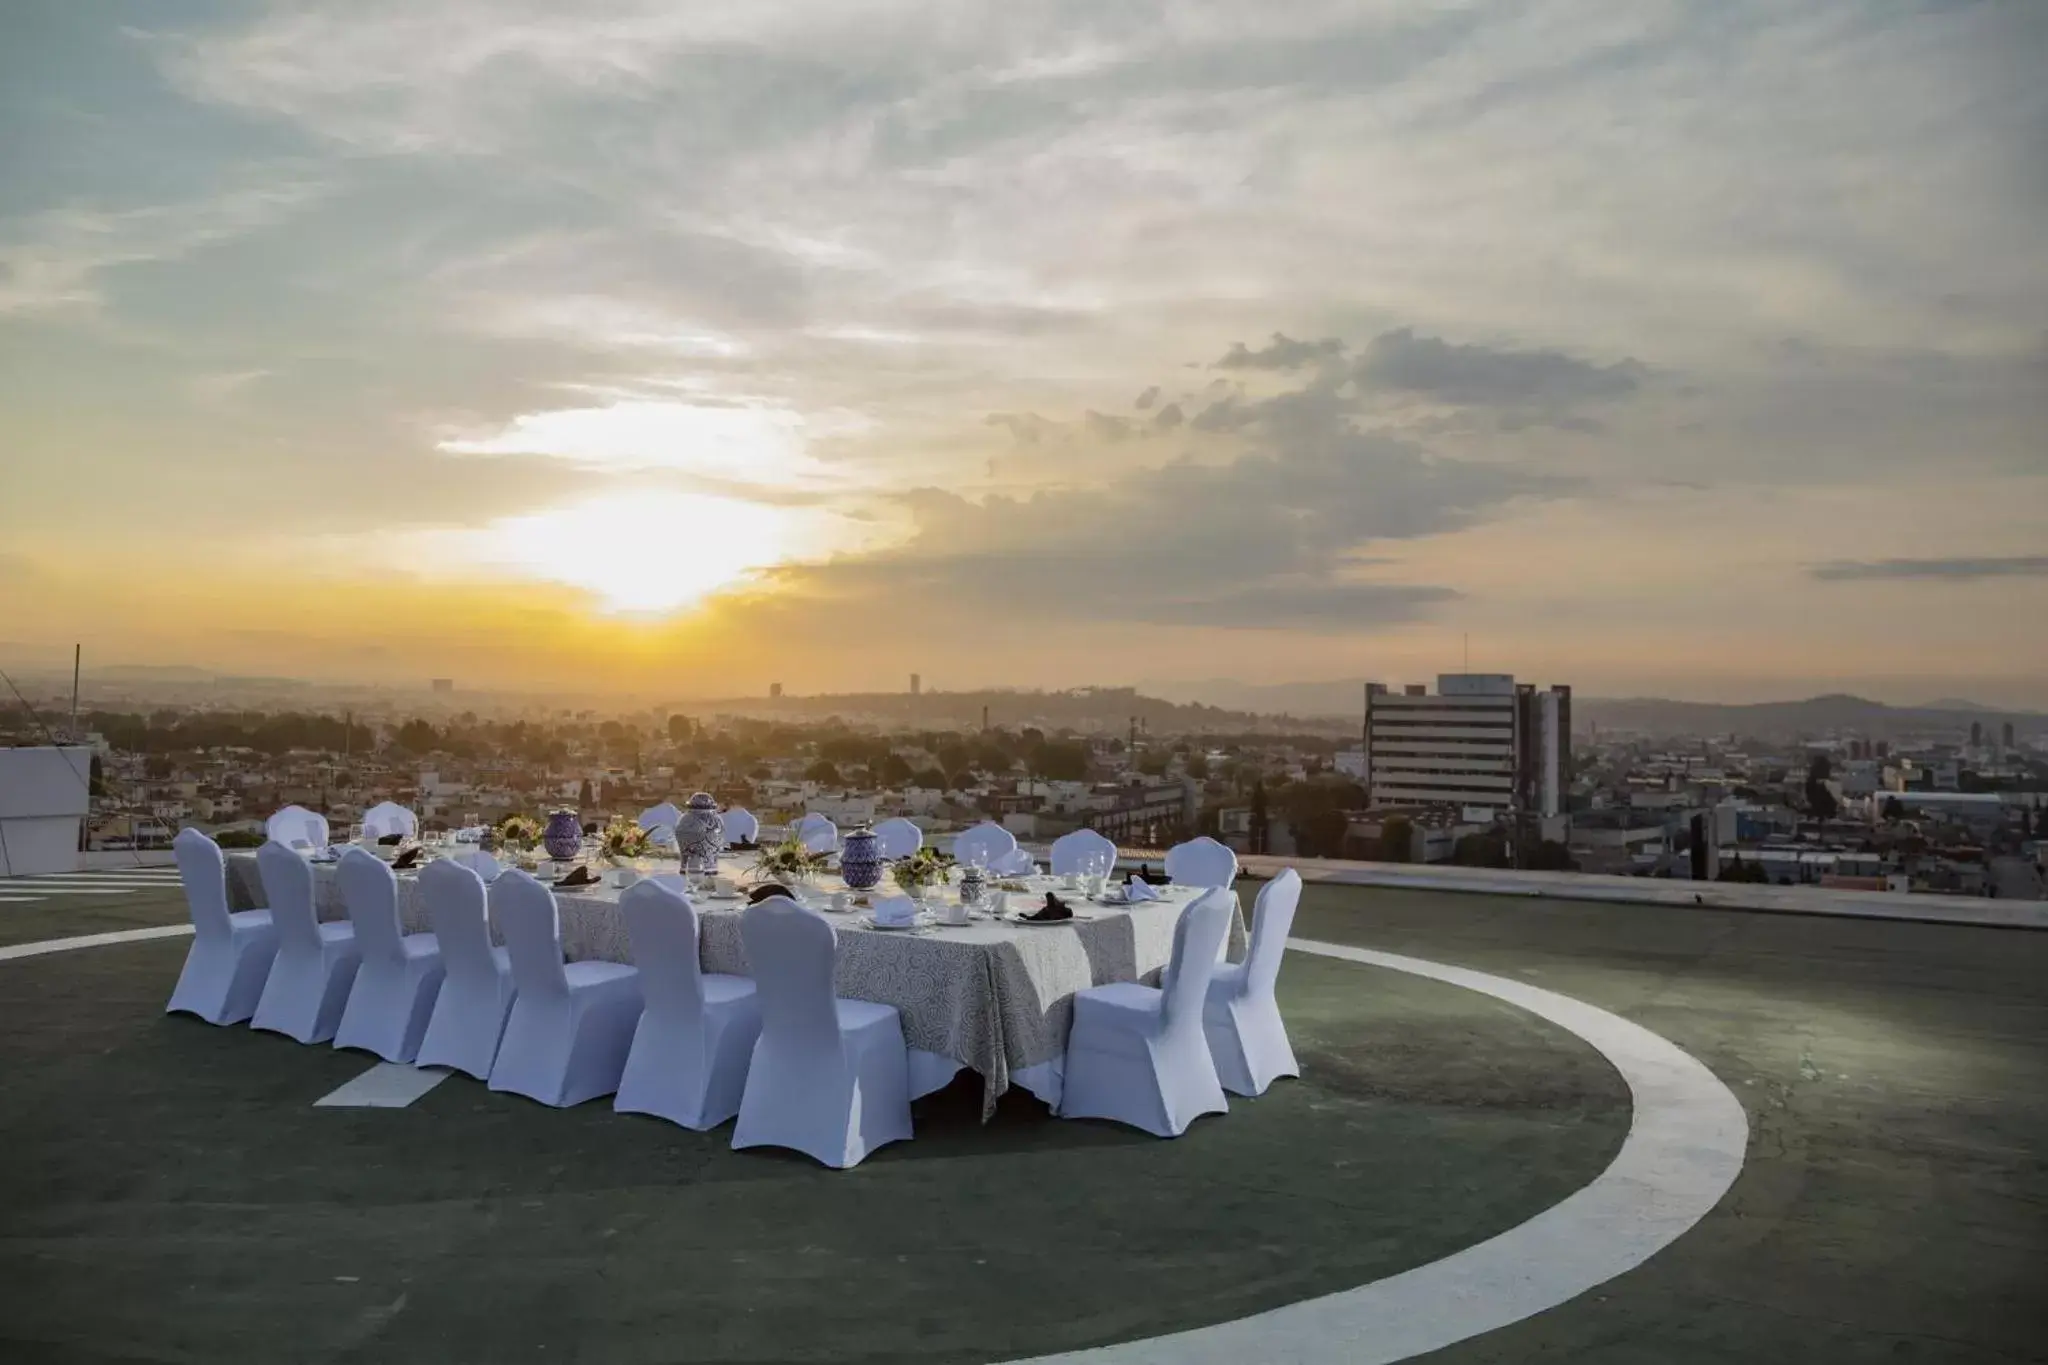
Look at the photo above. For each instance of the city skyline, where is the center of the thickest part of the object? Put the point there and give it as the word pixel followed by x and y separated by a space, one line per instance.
pixel 1685 350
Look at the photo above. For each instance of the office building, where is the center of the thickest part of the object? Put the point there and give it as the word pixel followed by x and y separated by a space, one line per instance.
pixel 916 684
pixel 444 684
pixel 774 691
pixel 1482 741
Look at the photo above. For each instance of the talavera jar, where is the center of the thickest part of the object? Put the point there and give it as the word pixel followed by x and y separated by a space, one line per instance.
pixel 860 859
pixel 563 836
pixel 700 835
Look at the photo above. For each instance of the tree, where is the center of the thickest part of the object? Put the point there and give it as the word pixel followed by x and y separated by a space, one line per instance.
pixel 157 766
pixel 415 736
pixel 931 779
pixel 1321 835
pixel 1488 848
pixel 1260 822
pixel 1552 856
pixel 1397 840
pixel 896 771
pixel 1061 762
pixel 96 782
pixel 584 797
pixel 823 773
pixel 1894 809
pixel 679 729
pixel 1819 799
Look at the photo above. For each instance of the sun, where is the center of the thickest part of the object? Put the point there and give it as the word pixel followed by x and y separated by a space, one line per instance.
pixel 643 552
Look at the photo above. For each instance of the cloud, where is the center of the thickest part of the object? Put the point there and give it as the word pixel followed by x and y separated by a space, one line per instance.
pixel 1283 353
pixel 1402 361
pixel 1965 569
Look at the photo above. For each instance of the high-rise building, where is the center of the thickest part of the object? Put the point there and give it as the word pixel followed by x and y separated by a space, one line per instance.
pixel 916 684
pixel 1481 741
pixel 2008 733
pixel 774 691
pixel 444 684
pixel 1976 734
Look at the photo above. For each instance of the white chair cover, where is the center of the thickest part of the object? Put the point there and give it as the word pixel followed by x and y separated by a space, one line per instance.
pixel 571 1024
pixel 688 1063
pixel 1069 851
pixel 316 963
pixel 740 825
pixel 476 992
pixel 988 839
pixel 830 1077
pixel 388 817
pixel 1018 862
pixel 393 997
pixel 1138 1054
pixel 898 838
pixel 479 862
pixel 297 827
pixel 663 816
pixel 231 952
pixel 1241 1015
pixel 819 834
pixel 1201 862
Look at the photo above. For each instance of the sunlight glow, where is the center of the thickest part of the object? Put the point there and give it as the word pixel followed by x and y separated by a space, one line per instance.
pixel 739 443
pixel 639 552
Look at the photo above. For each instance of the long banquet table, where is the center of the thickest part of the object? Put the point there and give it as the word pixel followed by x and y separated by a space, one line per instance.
pixel 992 996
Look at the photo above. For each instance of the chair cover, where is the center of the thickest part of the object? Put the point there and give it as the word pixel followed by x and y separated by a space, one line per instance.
pixel 316 963
pixel 297 827
pixel 1201 862
pixel 393 996
pixel 740 825
pixel 476 990
pixel 1069 851
pixel 830 1077
pixel 819 834
pixel 1018 862
pixel 388 817
pixel 663 816
pixel 1241 1015
pixel 988 839
pixel 1138 1054
pixel 231 952
pixel 688 1062
pixel 898 838
pixel 571 1024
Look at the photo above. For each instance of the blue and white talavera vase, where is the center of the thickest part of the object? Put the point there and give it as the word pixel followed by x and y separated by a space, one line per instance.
pixel 860 859
pixel 563 836
pixel 700 835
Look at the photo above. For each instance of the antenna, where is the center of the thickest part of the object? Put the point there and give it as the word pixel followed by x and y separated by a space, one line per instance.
pixel 1468 651
pixel 77 653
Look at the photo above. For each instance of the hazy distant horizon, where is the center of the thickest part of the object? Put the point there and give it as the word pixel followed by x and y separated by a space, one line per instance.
pixel 1686 350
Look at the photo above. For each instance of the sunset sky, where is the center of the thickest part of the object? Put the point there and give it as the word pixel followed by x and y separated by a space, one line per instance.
pixel 1697 349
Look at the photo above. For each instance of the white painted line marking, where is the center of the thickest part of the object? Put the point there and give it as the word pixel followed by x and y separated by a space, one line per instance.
pixel 387 1085
pixel 65 945
pixel 70 890
pixel 1684 1149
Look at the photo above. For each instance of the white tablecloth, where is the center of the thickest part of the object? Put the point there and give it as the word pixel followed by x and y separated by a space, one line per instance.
pixel 991 996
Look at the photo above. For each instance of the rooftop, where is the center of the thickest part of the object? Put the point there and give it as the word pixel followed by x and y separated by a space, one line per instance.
pixel 173 1193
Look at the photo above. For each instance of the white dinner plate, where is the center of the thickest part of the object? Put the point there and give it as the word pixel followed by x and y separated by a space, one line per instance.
pixel 871 922
pixel 1048 923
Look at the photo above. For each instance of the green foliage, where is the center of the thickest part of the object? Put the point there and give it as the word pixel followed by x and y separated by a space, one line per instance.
pixel 1552 856
pixel 788 860
pixel 415 737
pixel 518 831
pixel 1061 762
pixel 823 772
pixel 926 867
pixel 1321 835
pixel 895 771
pixel 1485 849
pixel 1397 840
pixel 623 839
pixel 240 838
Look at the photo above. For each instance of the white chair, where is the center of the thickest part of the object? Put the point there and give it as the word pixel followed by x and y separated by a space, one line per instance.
pixel 393 997
pixel 991 841
pixel 572 1023
pixel 1137 1054
pixel 1240 1016
pixel 1018 862
pixel 231 951
pixel 297 827
pixel 740 825
pixel 898 838
pixel 1070 851
pixel 819 834
pixel 1201 862
pixel 688 1063
pixel 830 1078
pixel 316 963
pixel 477 991
pixel 663 816
pixel 387 818
pixel 477 861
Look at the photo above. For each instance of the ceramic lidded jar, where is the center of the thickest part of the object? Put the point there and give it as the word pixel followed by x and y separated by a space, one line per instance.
pixel 700 835
pixel 860 859
pixel 563 836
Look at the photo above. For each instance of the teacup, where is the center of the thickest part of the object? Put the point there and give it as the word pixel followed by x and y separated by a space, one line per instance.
pixel 953 912
pixel 623 877
pixel 842 901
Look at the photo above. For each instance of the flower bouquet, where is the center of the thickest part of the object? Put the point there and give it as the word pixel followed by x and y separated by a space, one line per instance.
pixel 921 871
pixel 788 861
pixel 518 832
pixel 622 841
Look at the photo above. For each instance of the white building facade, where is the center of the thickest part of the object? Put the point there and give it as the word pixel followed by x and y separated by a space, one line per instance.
pixel 1481 741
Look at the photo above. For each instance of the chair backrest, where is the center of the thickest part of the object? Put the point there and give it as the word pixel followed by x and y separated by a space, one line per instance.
pixel 1201 862
pixel 458 910
pixel 204 871
pixel 1197 943
pixel 740 824
pixel 662 926
pixel 288 887
pixel 370 893
pixel 898 838
pixel 792 952
pixel 819 834
pixel 1070 850
pixel 388 817
pixel 479 862
pixel 295 826
pixel 1018 862
pixel 1272 920
pixel 991 841
pixel 533 935
pixel 663 816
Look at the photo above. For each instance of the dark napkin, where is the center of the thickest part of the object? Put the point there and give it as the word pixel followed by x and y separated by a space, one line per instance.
pixel 765 890
pixel 1148 876
pixel 409 858
pixel 744 846
pixel 579 875
pixel 391 840
pixel 1053 909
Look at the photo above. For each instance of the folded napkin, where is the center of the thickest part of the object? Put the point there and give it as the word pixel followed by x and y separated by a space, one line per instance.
pixel 895 910
pixel 1138 889
pixel 1146 874
pixel 765 890
pixel 409 858
pixel 1053 909
pixel 579 875
pixel 744 846
pixel 391 840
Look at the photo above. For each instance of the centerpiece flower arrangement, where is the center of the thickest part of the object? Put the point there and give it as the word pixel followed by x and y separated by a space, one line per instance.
pixel 789 861
pixel 623 840
pixel 516 833
pixel 921 871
